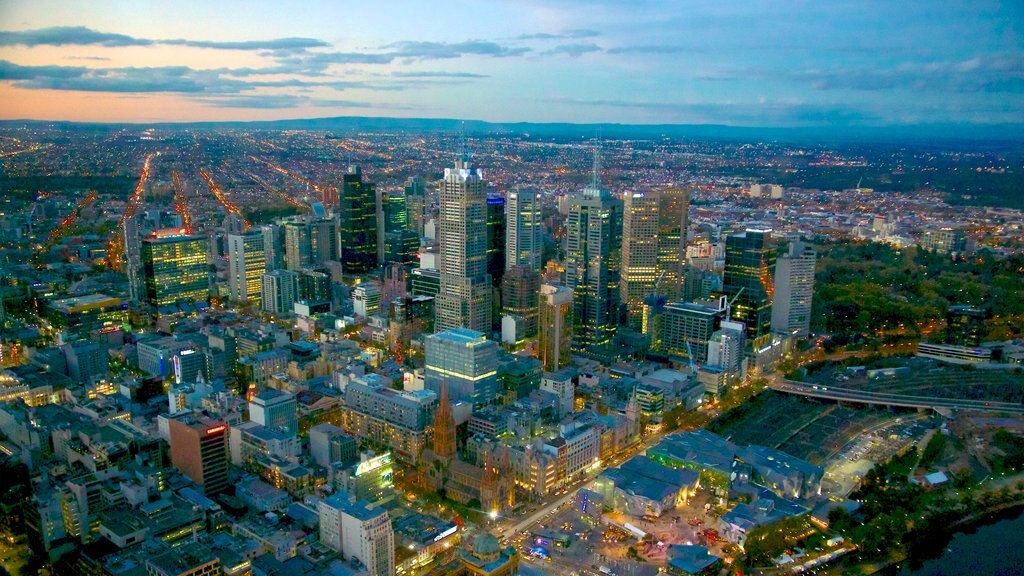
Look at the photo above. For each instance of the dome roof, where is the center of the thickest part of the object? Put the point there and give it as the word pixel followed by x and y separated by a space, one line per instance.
pixel 486 545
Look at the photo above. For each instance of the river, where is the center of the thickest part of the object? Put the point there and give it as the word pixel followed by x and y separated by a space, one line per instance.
pixel 992 548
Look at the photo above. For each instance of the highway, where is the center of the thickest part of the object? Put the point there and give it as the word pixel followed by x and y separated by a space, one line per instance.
pixel 885 399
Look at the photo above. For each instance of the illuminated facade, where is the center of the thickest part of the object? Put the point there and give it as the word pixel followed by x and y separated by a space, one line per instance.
pixel 594 235
pixel 555 327
pixel 465 297
pixel 523 240
pixel 466 361
pixel 750 267
pixel 640 243
pixel 247 262
pixel 673 222
pixel 357 213
pixel 175 267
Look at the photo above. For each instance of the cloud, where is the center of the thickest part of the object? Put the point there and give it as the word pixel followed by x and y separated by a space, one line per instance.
pixel 414 50
pixel 564 35
pixel 992 73
pixel 278 101
pixel 653 49
pixel 573 50
pixel 429 74
pixel 273 44
pixel 156 79
pixel 82 36
pixel 736 113
pixel 68 35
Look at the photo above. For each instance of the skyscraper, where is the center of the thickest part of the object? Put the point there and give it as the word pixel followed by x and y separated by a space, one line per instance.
pixel 280 291
pixel 357 213
pixel 749 277
pixel 247 262
pixel 415 204
pixel 496 238
pixel 175 268
pixel 310 242
pixel 594 236
pixel 465 297
pixel 673 222
pixel 466 361
pixel 523 241
pixel 133 260
pixel 640 251
pixel 794 289
pixel 519 290
pixel 555 326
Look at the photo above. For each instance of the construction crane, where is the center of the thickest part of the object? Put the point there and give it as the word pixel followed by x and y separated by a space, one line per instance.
pixel 115 248
pixel 64 226
pixel 654 303
pixel 180 204
pixel 224 201
pixel 280 194
pixel 728 306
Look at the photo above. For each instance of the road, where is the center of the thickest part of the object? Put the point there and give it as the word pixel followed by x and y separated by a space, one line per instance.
pixel 885 399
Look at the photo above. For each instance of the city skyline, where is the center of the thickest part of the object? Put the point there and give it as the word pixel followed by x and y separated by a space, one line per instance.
pixel 763 65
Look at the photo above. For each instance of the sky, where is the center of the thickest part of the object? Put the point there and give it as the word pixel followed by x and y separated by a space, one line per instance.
pixel 777 63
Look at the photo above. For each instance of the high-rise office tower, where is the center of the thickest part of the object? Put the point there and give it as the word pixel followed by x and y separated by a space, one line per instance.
pixel 464 300
pixel 673 222
pixel 280 291
pixel 314 286
pixel 175 268
pixel 555 326
pixel 685 328
pixel 496 238
pixel 415 204
pixel 640 251
pixel 273 245
pixel 247 262
pixel 275 409
pixel 523 240
pixel 750 278
pixel 310 242
pixel 594 236
pixel 357 213
pixel 794 290
pixel 199 450
pixel 467 361
pixel 133 260
pixel 519 290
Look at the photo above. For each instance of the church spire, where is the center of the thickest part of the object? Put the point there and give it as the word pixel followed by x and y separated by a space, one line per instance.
pixel 444 425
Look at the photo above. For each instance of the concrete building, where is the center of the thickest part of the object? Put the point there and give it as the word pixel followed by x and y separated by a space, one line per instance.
pixel 640 224
pixel 276 410
pixel 199 450
pixel 280 291
pixel 366 299
pixel 360 531
pixel 523 239
pixel 464 300
pixel 247 262
pixel 794 290
pixel 685 329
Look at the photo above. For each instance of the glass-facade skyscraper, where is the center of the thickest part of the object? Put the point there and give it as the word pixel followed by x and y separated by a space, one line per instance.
pixel 247 262
pixel 357 214
pixel 175 268
pixel 750 267
pixel 594 245
pixel 523 240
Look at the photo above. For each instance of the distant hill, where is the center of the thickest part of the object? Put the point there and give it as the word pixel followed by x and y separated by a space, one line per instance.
pixel 998 136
